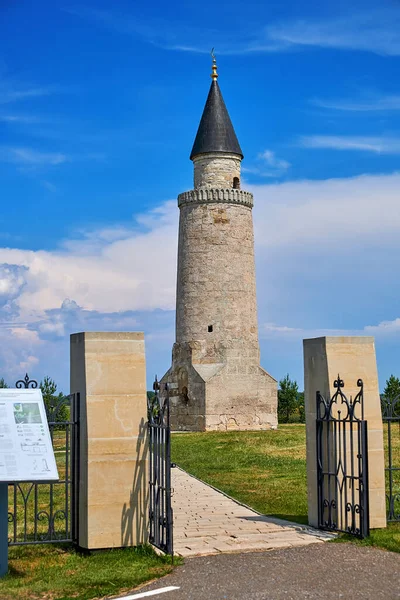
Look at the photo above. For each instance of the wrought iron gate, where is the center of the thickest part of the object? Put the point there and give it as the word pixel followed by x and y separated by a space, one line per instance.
pixel 342 462
pixel 391 418
pixel 160 511
pixel 40 512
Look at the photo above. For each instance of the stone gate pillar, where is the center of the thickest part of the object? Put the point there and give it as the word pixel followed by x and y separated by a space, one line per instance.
pixel 109 372
pixel 353 358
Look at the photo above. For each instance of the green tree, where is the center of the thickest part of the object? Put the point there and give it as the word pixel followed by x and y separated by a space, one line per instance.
pixel 150 395
pixel 392 388
pixel 301 407
pixel 52 399
pixel 287 398
pixel 3 383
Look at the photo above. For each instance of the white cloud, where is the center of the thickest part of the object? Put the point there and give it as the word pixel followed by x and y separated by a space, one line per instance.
pixel 134 268
pixel 270 331
pixel 12 90
pixel 267 328
pixel 9 93
pixel 108 270
pixel 268 165
pixel 271 159
pixel 20 119
pixel 49 186
pixel 91 284
pixel 322 247
pixel 375 31
pixel 301 213
pixel 384 328
pixel 19 351
pixel 379 330
pixel 175 36
pixel 379 145
pixel 377 103
pixel 32 157
pixel 11 281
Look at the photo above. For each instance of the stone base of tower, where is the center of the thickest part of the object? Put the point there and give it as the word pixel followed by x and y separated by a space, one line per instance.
pixel 219 396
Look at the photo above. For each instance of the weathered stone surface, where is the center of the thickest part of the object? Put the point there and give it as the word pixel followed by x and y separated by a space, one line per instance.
pixel 108 370
pixel 217 382
pixel 216 170
pixel 204 195
pixel 352 358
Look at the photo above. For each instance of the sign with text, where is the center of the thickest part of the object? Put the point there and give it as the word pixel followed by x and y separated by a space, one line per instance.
pixel 26 450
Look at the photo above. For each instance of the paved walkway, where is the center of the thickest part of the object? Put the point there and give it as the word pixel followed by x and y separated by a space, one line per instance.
pixel 207 522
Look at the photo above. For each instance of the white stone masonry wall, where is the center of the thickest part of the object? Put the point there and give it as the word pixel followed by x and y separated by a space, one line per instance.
pixel 216 170
pixel 216 278
pixel 216 381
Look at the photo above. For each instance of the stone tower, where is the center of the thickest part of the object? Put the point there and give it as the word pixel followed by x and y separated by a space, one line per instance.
pixel 216 381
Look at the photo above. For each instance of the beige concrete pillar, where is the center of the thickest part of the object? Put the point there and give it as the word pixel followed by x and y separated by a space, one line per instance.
pixel 109 371
pixel 353 358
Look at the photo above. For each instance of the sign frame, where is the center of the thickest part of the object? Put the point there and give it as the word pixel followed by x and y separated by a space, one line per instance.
pixel 26 448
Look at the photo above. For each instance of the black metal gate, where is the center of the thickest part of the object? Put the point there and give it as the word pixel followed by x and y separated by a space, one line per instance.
pixel 40 512
pixel 342 462
pixel 391 419
pixel 160 510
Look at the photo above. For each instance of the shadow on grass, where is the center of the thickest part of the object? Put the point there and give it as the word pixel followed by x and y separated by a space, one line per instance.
pixel 13 572
pixel 265 518
pixel 65 573
pixel 295 518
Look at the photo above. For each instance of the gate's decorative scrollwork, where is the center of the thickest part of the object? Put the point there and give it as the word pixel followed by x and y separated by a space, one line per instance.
pixel 160 510
pixel 391 419
pixel 342 462
pixel 26 383
pixel 340 402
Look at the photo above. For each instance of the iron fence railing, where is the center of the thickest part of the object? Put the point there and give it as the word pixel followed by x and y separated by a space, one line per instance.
pixel 391 421
pixel 47 512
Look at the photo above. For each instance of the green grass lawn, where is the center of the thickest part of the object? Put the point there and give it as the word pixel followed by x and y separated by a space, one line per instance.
pixel 265 469
pixel 60 573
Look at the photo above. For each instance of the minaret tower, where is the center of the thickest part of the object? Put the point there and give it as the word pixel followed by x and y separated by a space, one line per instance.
pixel 215 380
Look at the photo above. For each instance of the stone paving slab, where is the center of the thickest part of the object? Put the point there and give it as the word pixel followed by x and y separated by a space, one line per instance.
pixel 208 522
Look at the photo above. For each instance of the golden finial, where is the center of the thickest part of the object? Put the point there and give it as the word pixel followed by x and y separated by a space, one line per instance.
pixel 214 74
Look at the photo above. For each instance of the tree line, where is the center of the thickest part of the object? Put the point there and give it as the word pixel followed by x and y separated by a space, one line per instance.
pixel 51 397
pixel 291 401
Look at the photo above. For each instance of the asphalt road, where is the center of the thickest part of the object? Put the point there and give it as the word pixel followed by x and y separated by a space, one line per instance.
pixel 328 571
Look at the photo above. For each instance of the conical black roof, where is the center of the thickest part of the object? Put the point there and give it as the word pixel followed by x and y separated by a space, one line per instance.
pixel 215 132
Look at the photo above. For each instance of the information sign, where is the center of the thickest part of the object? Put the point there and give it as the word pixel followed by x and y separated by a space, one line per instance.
pixel 26 449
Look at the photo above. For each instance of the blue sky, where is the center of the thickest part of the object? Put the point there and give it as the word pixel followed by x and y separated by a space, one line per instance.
pixel 99 105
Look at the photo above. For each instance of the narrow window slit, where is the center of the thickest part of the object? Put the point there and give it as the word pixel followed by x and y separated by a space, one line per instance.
pixel 210 328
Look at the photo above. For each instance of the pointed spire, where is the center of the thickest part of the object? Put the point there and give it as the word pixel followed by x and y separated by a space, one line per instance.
pixel 215 132
pixel 214 74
